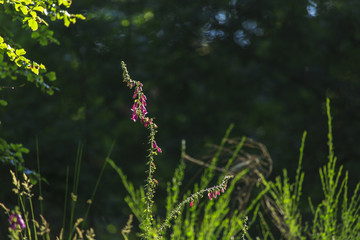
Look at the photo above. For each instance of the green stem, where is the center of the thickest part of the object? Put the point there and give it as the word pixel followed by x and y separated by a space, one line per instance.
pixel 66 196
pixel 25 217
pixel 38 164
pixel 98 182
pixel 75 187
pixel 32 215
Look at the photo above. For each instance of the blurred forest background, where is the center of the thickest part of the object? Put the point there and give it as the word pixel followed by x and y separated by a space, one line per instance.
pixel 265 65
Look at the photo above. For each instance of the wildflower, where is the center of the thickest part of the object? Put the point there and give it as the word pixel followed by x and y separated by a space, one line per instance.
pixel 135 93
pixel 152 123
pixel 143 99
pixel 210 195
pixel 16 219
pixel 214 195
pixel 159 150
pixel 130 85
pixel 191 203
pixel 140 86
pixel 135 105
pixel 143 109
pixel 134 117
pixel 156 147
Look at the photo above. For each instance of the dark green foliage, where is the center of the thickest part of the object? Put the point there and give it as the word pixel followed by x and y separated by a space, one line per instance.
pixel 270 81
pixel 12 153
pixel 15 65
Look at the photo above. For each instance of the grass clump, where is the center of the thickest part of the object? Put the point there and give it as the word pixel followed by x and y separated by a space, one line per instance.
pixel 335 217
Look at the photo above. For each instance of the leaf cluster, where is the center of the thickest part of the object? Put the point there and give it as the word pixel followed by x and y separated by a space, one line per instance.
pixel 14 63
pixel 33 16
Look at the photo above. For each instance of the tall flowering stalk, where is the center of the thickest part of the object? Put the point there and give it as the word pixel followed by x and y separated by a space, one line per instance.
pixel 139 112
pixel 151 228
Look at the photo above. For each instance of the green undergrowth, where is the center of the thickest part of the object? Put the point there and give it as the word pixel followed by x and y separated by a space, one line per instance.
pixel 233 197
pixel 335 217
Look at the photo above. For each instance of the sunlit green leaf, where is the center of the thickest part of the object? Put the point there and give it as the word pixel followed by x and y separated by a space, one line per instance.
pixel 80 16
pixel 33 14
pixel 66 21
pixel 35 70
pixel 38 8
pixel 18 62
pixel 33 24
pixel 24 10
pixel 20 52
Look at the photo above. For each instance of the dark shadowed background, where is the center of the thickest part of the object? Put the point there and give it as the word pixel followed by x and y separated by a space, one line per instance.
pixel 266 65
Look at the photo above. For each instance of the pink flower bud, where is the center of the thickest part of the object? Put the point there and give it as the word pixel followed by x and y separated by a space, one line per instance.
pixel 143 99
pixel 143 110
pixel 135 93
pixel 21 221
pixel 133 109
pixel 214 195
pixel 210 195
pixel 191 203
pixel 134 117
pixel 140 87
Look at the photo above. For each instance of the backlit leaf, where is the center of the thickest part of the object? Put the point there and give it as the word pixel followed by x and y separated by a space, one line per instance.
pixel 20 52
pixel 33 24
pixel 24 10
